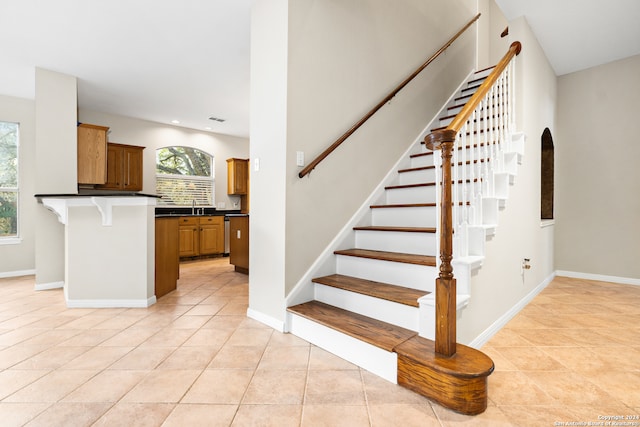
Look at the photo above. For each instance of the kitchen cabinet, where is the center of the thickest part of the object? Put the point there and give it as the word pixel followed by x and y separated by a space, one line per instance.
pixel 167 263
pixel 237 177
pixel 92 154
pixel 124 168
pixel 239 243
pixel 202 235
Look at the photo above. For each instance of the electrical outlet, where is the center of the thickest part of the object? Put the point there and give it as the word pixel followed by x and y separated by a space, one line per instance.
pixel 526 264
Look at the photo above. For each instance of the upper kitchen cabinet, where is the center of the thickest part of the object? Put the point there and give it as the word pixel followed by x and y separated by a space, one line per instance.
pixel 92 154
pixel 237 177
pixel 124 167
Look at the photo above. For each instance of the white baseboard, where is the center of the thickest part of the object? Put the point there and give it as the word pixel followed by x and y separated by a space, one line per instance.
pixel 18 273
pixel 47 286
pixel 486 335
pixel 111 303
pixel 599 277
pixel 276 324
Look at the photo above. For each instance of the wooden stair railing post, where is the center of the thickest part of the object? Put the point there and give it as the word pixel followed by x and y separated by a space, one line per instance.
pixel 445 334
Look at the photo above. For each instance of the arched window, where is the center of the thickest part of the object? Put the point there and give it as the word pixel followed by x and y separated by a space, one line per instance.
pixel 184 175
pixel 546 176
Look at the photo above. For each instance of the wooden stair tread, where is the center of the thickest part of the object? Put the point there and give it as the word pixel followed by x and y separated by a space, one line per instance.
pixel 372 331
pixel 390 256
pixel 421 168
pixel 466 363
pixel 385 291
pixel 405 205
pixel 396 187
pixel 392 228
pixel 428 153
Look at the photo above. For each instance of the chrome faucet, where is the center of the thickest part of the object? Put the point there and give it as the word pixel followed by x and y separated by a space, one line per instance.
pixel 193 207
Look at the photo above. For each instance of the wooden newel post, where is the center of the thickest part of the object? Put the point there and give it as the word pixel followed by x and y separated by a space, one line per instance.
pixel 445 342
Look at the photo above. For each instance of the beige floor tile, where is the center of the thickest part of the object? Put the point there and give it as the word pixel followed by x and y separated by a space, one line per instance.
pixel 531 359
pixel 97 358
pixel 196 415
pixel 320 359
pixel 285 358
pixel 412 415
pixel 51 337
pixel 268 415
pixel 90 338
pixel 577 359
pixel 13 355
pixel 234 308
pixel 237 357
pixel 224 323
pixel 219 386
pixel 492 417
pixel 189 358
pixel 205 309
pixel 250 336
pixel 334 387
pixel 169 337
pixel 119 322
pixel 379 391
pixel 619 359
pixel 624 386
pixel 135 414
pixel 51 387
pixel 508 338
pixel 499 361
pixel 334 416
pixel 19 335
pixel 162 386
pixel 70 415
pixel 536 416
pixel 190 321
pixel 52 358
pixel 544 337
pixel 18 414
pixel 515 388
pixel 569 388
pixel 107 386
pixel 290 386
pixel 12 380
pixel 130 337
pixel 209 338
pixel 143 358
pixel 278 339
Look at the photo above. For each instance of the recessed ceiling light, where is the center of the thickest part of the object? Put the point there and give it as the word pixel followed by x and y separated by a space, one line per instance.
pixel 208 128
pixel 175 122
pixel 216 119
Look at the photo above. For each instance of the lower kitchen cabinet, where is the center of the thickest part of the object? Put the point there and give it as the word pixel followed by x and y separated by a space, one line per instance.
pixel 239 243
pixel 167 262
pixel 202 235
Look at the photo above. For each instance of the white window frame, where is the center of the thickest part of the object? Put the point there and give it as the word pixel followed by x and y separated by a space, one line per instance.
pixel 12 240
pixel 209 180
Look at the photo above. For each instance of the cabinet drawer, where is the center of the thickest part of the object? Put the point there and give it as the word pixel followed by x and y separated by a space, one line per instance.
pixel 211 220
pixel 188 220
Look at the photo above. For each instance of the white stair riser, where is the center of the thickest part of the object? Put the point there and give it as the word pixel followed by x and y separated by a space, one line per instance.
pixel 421 161
pixel 392 241
pixel 417 177
pixel 386 311
pixel 405 217
pixel 425 194
pixel 409 275
pixel 376 360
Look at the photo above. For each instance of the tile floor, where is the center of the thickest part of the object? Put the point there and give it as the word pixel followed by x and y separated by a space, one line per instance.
pixel 194 359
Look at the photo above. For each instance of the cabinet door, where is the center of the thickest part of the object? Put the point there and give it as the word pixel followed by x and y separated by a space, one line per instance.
pixel 189 240
pixel 92 154
pixel 132 168
pixel 239 243
pixel 167 267
pixel 237 176
pixel 114 168
pixel 211 235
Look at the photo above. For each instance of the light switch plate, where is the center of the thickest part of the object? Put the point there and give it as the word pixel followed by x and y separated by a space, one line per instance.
pixel 299 158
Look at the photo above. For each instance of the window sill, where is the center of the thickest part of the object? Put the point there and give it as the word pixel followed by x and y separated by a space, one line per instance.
pixel 10 241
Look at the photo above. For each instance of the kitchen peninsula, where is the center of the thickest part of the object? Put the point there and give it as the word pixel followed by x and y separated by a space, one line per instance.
pixel 109 248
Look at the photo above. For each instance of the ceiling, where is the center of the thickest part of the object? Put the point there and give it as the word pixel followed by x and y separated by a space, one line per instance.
pixel 189 60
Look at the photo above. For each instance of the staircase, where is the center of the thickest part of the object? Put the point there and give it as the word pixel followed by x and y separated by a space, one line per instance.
pixel 378 309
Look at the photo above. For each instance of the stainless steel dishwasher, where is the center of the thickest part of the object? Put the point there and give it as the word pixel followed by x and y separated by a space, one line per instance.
pixel 226 235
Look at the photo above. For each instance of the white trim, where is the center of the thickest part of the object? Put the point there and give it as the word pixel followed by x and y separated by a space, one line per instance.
pixel 486 335
pixel 276 324
pixel 111 303
pixel 47 286
pixel 10 241
pixel 17 273
pixel 547 223
pixel 599 277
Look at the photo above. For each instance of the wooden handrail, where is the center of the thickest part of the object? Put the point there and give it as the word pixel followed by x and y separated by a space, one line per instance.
pixel 444 139
pixel 393 93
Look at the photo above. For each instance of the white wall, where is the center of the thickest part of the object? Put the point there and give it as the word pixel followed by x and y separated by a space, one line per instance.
pixel 597 180
pixel 19 258
pixel 152 135
pixel 499 284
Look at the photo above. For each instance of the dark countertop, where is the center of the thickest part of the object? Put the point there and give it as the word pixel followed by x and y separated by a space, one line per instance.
pixel 171 211
pixel 98 194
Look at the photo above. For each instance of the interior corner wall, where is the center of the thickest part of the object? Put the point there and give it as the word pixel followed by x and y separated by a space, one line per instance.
pixel 597 180
pixel 500 284
pixel 269 33
pixel 56 166
pixel 344 57
pixel 18 259
pixel 152 135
